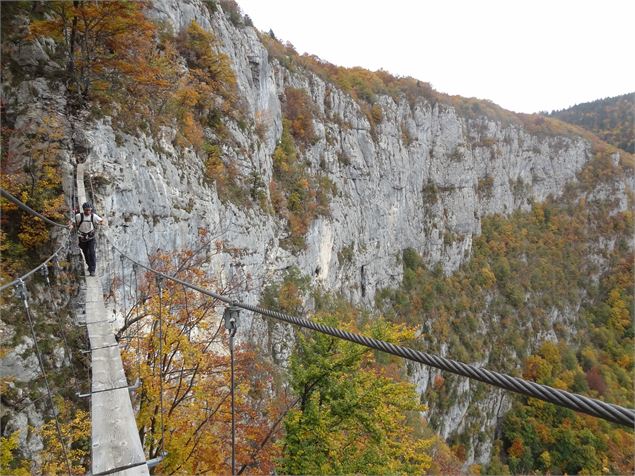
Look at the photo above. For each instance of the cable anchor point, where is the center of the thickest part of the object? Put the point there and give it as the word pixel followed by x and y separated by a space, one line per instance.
pixel 230 316
pixel 45 272
pixel 21 290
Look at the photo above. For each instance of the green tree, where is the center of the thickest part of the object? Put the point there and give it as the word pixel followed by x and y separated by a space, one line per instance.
pixel 352 415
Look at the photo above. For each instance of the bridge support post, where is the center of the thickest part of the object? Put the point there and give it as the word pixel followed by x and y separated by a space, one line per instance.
pixel 230 317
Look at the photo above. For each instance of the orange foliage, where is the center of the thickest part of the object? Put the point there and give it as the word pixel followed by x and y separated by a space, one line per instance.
pixel 298 109
pixel 516 449
pixel 110 52
pixel 194 366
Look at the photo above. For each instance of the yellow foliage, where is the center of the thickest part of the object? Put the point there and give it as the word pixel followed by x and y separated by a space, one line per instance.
pixel 537 369
pixel 8 464
pixel 545 459
pixel 626 362
pixel 488 276
pixel 620 317
pixel 75 430
pixel 550 352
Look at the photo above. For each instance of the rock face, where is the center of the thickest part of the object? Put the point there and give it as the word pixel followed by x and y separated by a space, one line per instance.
pixel 428 192
pixel 420 178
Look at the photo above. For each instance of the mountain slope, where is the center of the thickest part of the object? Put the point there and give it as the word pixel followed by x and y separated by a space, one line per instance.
pixel 611 119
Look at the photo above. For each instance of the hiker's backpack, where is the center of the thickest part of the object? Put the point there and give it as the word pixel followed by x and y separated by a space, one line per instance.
pixel 84 237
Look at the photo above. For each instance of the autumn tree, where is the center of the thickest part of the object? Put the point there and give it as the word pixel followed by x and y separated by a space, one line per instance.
pixel 109 47
pixel 29 171
pixel 75 431
pixel 10 463
pixel 298 110
pixel 181 357
pixel 296 194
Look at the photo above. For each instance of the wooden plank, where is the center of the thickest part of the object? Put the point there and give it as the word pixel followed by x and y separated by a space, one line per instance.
pixel 115 439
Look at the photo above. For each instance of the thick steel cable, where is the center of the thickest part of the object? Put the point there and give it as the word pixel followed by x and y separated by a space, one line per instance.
pixel 607 411
pixel 25 207
pixel 22 292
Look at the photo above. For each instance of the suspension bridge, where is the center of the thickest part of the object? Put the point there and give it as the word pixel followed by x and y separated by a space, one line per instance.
pixel 116 447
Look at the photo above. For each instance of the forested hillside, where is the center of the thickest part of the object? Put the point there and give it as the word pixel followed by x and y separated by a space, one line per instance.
pixel 551 288
pixel 611 119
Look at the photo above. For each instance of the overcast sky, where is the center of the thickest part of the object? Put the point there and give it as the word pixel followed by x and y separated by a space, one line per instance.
pixel 524 55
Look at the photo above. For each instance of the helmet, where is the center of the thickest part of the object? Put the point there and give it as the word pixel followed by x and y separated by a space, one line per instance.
pixel 86 205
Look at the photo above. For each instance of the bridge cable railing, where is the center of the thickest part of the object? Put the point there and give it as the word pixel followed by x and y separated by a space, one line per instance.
pixel 67 350
pixel 607 411
pixel 133 334
pixel 45 263
pixel 28 209
pixel 20 289
pixel 22 294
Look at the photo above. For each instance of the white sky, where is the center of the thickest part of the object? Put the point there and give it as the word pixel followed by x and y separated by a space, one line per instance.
pixel 524 55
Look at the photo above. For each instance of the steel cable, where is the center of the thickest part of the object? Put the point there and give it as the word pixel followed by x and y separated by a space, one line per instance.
pixel 25 207
pixel 45 273
pixel 22 292
pixel 34 270
pixel 613 413
pixel 161 362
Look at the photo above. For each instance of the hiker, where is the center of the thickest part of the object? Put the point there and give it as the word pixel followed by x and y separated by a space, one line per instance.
pixel 85 225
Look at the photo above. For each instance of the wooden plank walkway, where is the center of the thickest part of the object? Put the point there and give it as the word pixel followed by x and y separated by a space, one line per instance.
pixel 115 439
